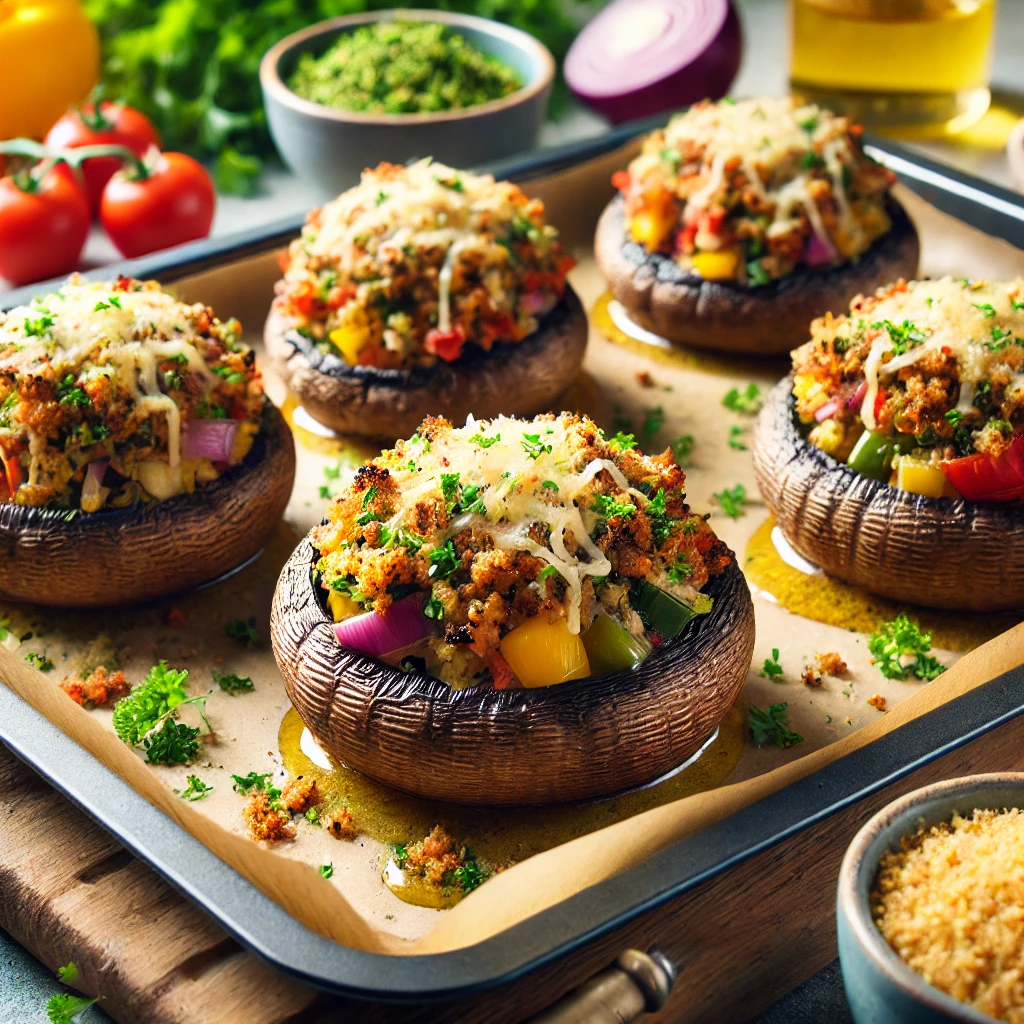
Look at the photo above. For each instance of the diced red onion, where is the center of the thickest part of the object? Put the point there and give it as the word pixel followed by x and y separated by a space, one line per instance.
pixel 98 469
pixel 208 439
pixel 857 398
pixel 94 494
pixel 818 252
pixel 830 408
pixel 641 57
pixel 535 302
pixel 402 625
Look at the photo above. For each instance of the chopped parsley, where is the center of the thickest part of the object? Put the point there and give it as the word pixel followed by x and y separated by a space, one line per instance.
pixel 903 336
pixel 450 486
pixel 470 501
pixel 454 183
pixel 148 717
pixel 771 726
pixel 756 273
pixel 682 448
pixel 550 484
pixel 900 649
pixel 244 632
pixel 196 788
pixel 482 442
pixel 69 393
pixel 622 442
pixel 732 500
pixel 534 446
pixel 772 669
pixel 231 683
pixel 382 197
pixel 736 438
pixel 1018 304
pixel 64 1007
pixel 661 521
pixel 38 327
pixel 444 561
pixel 433 609
pixel 954 416
pixel 1001 337
pixel 254 783
pixel 654 420
pixel 746 401
pixel 41 662
pixel 810 160
pixel 670 157
pixel 326 870
pixel 547 572
pixel 680 571
pixel 809 125
pixel 608 508
pixel 469 875
pixel 986 307
pixel 312 815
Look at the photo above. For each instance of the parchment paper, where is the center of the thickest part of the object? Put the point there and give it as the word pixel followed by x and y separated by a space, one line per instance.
pixel 354 907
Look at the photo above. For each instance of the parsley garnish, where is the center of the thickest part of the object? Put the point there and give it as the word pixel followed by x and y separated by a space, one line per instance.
pixel 232 683
pixel 670 157
pixel 735 435
pixel 68 973
pixel 534 447
pixel 986 307
pixel 547 572
pixel 244 631
pixel 443 561
pixel 654 420
pixel 903 336
pixel 484 442
pixel 469 875
pixel 326 870
pixel 682 448
pixel 147 717
pixel 622 442
pixel 454 183
pixel 661 522
pixel 312 815
pixel 608 508
pixel 433 609
pixel 254 782
pixel 772 669
pixel 746 401
pixel 756 273
pixel 550 484
pixel 680 571
pixel 900 649
pixel 954 416
pixel 809 125
pixel 68 393
pixel 449 486
pixel 771 726
pixel 1001 337
pixel 1018 304
pixel 38 327
pixel 810 160
pixel 64 1007
pixel 382 197
pixel 732 500
pixel 41 662
pixel 196 788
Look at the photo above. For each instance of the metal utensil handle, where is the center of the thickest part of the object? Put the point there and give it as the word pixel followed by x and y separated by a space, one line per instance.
pixel 637 983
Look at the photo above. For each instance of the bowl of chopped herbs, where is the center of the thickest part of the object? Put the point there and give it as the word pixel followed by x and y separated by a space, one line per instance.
pixel 396 85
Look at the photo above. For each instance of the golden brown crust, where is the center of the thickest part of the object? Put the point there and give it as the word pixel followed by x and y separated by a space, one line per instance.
pixel 769 320
pixel 515 380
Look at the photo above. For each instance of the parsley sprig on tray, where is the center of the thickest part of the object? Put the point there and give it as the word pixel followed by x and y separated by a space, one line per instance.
pixel 771 726
pixel 901 649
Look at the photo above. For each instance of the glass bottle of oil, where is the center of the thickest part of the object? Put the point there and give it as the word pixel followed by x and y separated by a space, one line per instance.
pixel 914 68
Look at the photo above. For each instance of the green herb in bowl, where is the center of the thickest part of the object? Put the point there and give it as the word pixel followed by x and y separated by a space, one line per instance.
pixel 402 68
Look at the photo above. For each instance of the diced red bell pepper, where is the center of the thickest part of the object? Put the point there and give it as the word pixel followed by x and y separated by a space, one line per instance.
pixel 621 180
pixel 445 344
pixel 984 477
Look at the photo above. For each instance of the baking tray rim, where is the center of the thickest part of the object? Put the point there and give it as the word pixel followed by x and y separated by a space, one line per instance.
pixel 284 942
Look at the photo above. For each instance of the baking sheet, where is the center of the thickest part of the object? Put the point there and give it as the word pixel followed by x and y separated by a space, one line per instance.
pixel 354 907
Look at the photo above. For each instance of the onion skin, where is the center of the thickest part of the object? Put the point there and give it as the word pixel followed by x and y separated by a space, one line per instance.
pixel 936 552
pixel 579 740
pixel 519 379
pixel 124 556
pixel 768 320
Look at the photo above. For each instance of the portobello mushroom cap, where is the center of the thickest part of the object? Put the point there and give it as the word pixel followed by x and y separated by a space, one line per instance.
pixel 938 552
pixel 769 319
pixel 63 559
pixel 575 741
pixel 518 379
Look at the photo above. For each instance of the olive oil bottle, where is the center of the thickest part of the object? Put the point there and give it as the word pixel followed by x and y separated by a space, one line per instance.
pixel 914 68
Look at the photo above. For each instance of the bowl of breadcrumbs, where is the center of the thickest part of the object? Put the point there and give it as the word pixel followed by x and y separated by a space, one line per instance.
pixel 930 907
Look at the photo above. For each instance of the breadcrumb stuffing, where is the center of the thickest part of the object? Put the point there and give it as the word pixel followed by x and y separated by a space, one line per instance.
pixel 434 857
pixel 299 795
pixel 950 903
pixel 877 701
pixel 99 689
pixel 341 825
pixel 266 820
pixel 831 663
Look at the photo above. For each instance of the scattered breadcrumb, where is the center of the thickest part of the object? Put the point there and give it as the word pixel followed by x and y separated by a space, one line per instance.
pixel 433 857
pixel 101 688
pixel 644 379
pixel 342 825
pixel 299 795
pixel 877 701
pixel 266 820
pixel 950 901
pixel 831 663
pixel 810 677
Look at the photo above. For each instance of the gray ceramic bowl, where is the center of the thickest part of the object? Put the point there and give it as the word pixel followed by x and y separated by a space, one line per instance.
pixel 329 148
pixel 880 987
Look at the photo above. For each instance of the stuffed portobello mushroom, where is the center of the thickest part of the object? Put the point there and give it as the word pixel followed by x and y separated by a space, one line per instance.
pixel 426 291
pixel 893 456
pixel 738 223
pixel 513 612
pixel 140 456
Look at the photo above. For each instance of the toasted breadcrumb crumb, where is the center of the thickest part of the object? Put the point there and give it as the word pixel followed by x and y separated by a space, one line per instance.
pixel 810 677
pixel 876 700
pixel 949 903
pixel 644 379
pixel 342 825
pixel 299 795
pixel 831 663
pixel 100 688
pixel 266 821
pixel 433 857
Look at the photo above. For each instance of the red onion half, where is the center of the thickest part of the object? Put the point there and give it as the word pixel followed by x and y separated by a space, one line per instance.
pixel 402 625
pixel 208 439
pixel 857 398
pixel 642 57
pixel 830 408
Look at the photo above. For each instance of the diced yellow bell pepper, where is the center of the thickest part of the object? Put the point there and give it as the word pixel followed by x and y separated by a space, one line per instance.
pixel 716 266
pixel 542 652
pixel 920 478
pixel 828 436
pixel 342 607
pixel 350 340
pixel 651 227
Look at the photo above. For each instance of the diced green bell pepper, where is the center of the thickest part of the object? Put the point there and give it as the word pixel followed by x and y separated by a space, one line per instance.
pixel 611 647
pixel 663 613
pixel 873 452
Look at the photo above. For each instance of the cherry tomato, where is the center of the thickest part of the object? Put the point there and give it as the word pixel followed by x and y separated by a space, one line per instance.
pixel 446 344
pixel 169 203
pixel 111 124
pixel 984 477
pixel 43 225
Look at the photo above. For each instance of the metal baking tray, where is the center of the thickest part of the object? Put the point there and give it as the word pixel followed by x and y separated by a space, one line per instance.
pixel 604 911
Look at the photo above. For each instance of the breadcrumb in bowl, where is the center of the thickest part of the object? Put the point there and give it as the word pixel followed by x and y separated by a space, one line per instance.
pixel 576 741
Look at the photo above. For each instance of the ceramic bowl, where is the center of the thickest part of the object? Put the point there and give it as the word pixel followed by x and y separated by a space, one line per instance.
pixel 880 987
pixel 329 148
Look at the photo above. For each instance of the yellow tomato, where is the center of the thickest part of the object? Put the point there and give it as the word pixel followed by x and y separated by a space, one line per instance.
pixel 716 266
pixel 920 478
pixel 543 652
pixel 49 60
pixel 350 340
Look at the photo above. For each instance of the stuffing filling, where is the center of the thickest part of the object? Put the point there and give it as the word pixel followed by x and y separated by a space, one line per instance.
pixel 922 385
pixel 416 263
pixel 750 192
pixel 114 393
pixel 515 552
